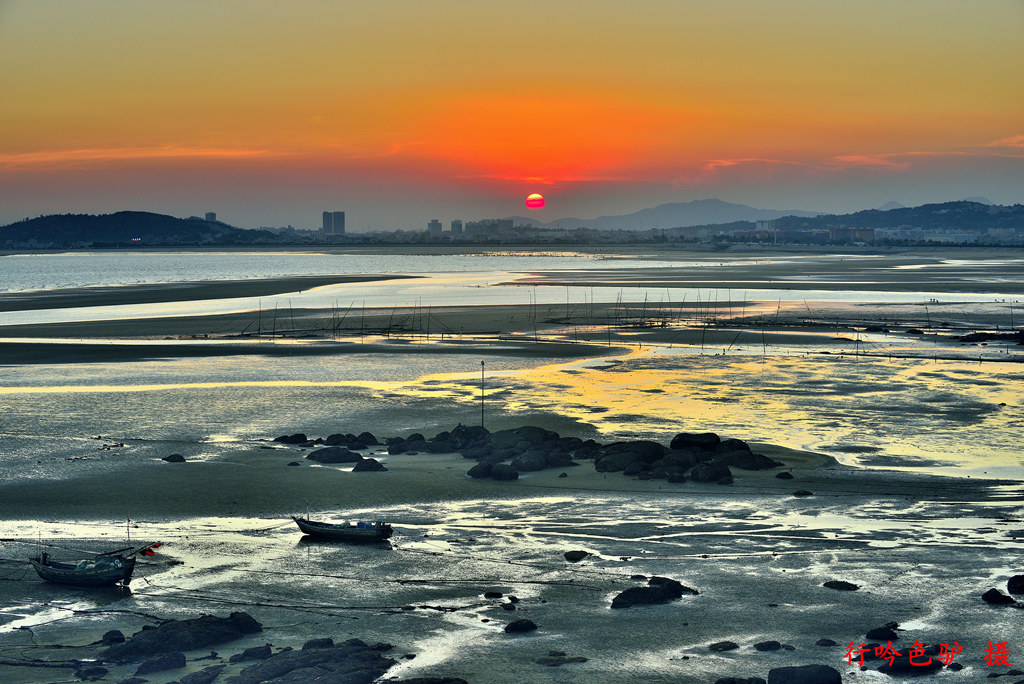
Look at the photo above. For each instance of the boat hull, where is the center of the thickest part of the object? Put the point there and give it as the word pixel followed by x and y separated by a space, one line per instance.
pixel 65 573
pixel 332 532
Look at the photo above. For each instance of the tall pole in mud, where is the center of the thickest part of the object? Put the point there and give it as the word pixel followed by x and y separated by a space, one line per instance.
pixel 481 394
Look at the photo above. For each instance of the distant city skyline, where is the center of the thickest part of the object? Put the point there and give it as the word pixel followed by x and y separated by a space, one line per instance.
pixel 272 112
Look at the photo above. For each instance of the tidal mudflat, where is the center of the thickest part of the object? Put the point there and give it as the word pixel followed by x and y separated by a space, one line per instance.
pixel 905 441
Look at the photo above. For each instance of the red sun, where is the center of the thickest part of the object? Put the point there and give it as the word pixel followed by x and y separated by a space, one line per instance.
pixel 535 201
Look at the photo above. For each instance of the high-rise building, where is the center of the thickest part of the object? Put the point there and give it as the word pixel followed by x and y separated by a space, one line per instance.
pixel 456 226
pixel 211 216
pixel 434 227
pixel 334 223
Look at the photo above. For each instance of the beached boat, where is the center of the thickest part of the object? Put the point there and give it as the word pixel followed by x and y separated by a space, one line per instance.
pixel 360 532
pixel 115 567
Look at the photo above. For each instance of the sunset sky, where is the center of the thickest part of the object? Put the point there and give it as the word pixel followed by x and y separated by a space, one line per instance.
pixel 269 112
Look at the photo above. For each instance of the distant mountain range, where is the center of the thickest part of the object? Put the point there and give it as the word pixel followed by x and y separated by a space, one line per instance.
pixel 673 215
pixel 126 228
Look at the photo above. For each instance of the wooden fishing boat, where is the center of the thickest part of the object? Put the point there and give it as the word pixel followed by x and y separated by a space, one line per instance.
pixel 107 569
pixel 363 531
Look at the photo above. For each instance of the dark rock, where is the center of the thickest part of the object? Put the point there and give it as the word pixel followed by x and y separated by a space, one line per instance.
pixel 369 465
pixel 513 599
pixel 825 642
pixel 322 642
pixel 367 439
pixel 803 492
pixel 349 441
pixel 204 676
pixel 529 461
pixel 767 646
pixel 438 446
pixel 563 474
pixel 642 450
pixel 575 556
pixel 997 598
pixel 480 470
pixel 720 646
pixel 559 459
pixel 710 471
pixel 476 453
pixel 382 647
pixel 92 673
pixel 167 661
pixel 841 585
pixel 785 475
pixel 297 438
pixel 905 665
pixel 559 660
pixel 432 680
pixel 706 441
pixel 532 435
pixel 635 468
pixel 493 594
pixel 520 626
pixel 660 590
pixel 956 667
pixel 569 443
pixel 293 463
pixel 676 475
pixel 254 653
pixel 334 454
pixel 882 634
pixel 415 437
pixel 174 458
pixel 1015 585
pixel 112 637
pixel 508 606
pixel 504 472
pixel 182 635
pixel 676 588
pixel 804 674
pixel 351 662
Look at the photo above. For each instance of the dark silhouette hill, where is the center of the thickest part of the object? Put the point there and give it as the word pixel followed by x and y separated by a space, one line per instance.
pixel 965 215
pixel 125 228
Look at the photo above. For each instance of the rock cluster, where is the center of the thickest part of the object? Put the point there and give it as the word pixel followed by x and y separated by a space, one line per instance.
pixel 181 635
pixel 658 590
pixel 352 661
pixel 504 454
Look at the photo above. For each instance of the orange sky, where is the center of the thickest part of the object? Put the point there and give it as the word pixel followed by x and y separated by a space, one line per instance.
pixel 269 112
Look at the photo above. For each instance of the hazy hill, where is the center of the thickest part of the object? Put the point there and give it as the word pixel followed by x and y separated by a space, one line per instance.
pixel 963 215
pixel 673 215
pixel 125 228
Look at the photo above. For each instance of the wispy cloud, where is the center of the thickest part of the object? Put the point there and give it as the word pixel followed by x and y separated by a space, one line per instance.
pixel 1012 141
pixel 98 155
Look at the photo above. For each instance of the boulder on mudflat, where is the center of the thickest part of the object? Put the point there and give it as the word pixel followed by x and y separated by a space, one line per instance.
pixel 575 556
pixel 841 585
pixel 1015 585
pixel 559 660
pixel 997 598
pixel 352 662
pixel 721 646
pixel 254 653
pixel 659 590
pixel 643 450
pixel 481 470
pixel 205 676
pixel 804 674
pixel 531 460
pixel 174 458
pixel 334 454
pixel 530 434
pixel 500 471
pixel 785 475
pixel 882 634
pixel 318 642
pixel 710 471
pixel 707 441
pixel 297 438
pixel 369 465
pixel 520 626
pixel 167 661
pixel 112 637
pixel 770 645
pixel 182 635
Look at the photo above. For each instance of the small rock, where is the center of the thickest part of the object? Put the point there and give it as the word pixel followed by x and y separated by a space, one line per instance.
pixel 841 585
pixel 174 458
pixel 294 463
pixel 882 634
pixel 803 492
pixel 767 646
pixel 493 594
pixel 825 642
pixel 205 676
pixel 563 475
pixel 323 642
pixel 254 653
pixel 720 646
pixel 996 598
pixel 369 465
pixel 784 475
pixel 508 606
pixel 93 673
pixel 1015 585
pixel 520 626
pixel 112 637
pixel 557 661
pixel 575 556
